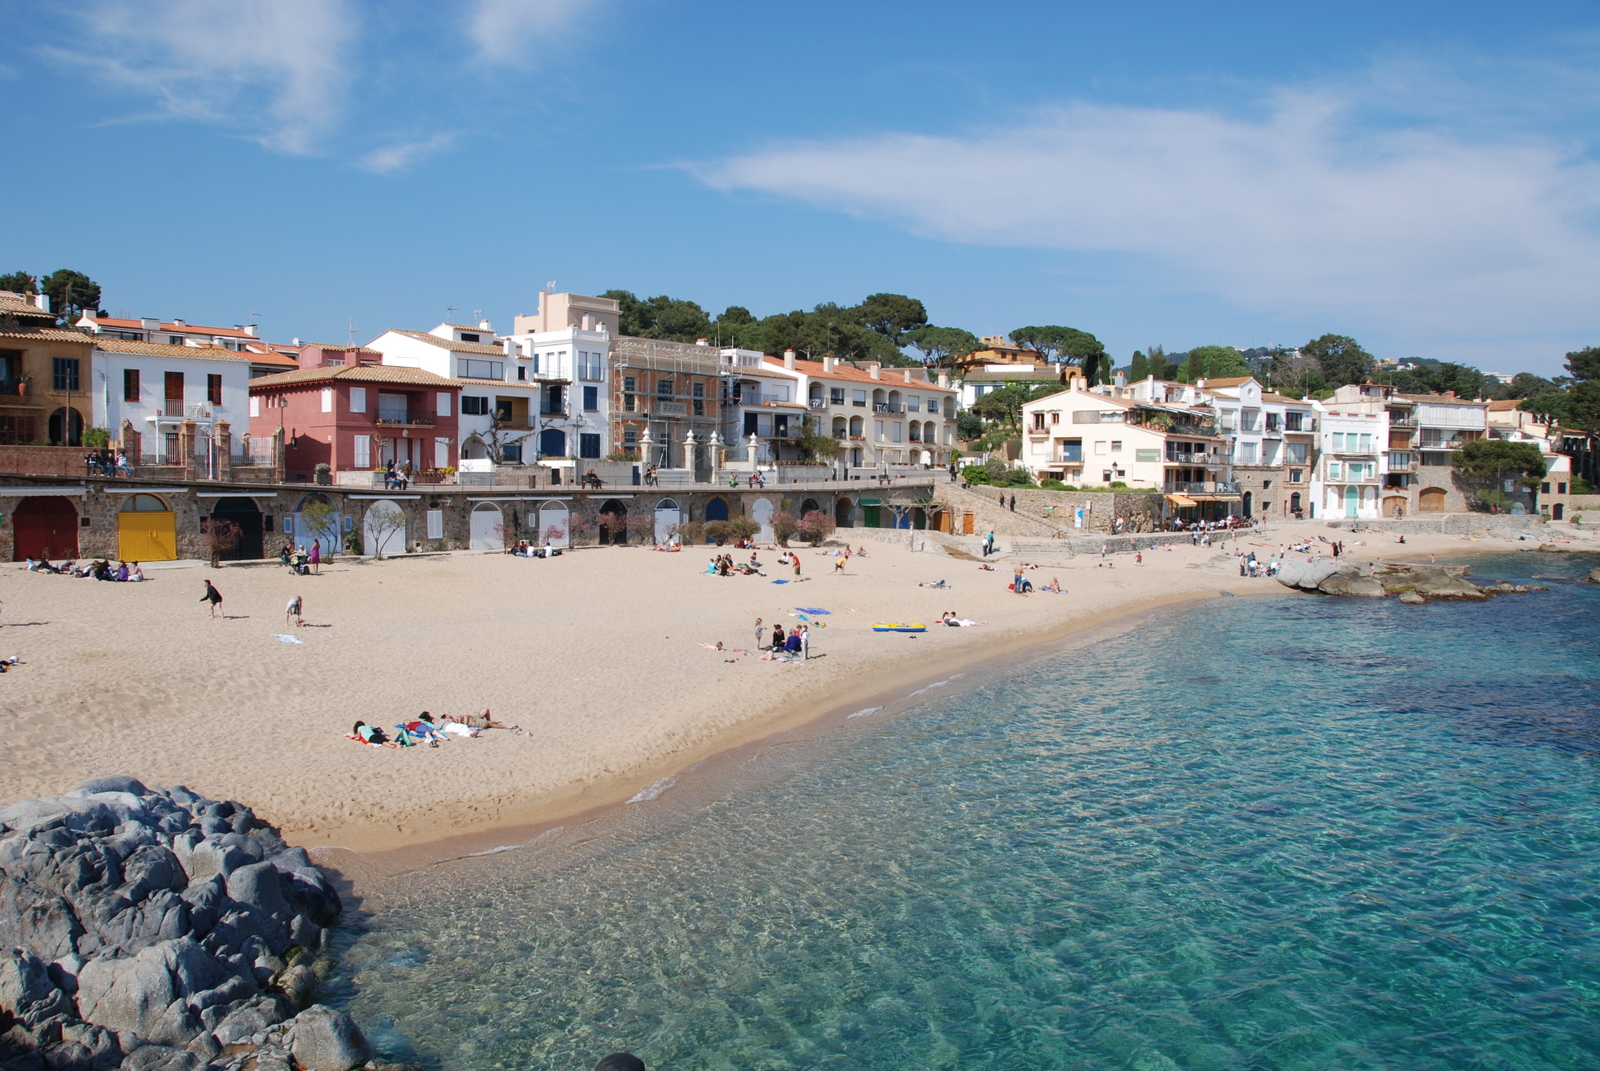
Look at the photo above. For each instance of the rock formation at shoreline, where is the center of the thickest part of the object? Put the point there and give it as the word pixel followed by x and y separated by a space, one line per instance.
pixel 157 930
pixel 1413 583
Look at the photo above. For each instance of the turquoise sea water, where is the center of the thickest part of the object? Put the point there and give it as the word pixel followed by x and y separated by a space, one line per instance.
pixel 1287 833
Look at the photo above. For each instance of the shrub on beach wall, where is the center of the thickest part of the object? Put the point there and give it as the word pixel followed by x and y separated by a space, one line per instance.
pixel 783 527
pixel 744 528
pixel 720 531
pixel 816 526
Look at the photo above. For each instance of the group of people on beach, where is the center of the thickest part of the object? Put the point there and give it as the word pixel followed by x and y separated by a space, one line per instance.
pixel 424 730
pixel 724 565
pixel 98 569
pixel 791 646
pixel 301 561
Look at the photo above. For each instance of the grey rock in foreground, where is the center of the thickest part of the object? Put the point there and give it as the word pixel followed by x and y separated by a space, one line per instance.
pixel 157 930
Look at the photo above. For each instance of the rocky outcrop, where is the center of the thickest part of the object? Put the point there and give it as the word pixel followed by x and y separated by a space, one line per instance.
pixel 1594 577
pixel 1415 584
pixel 157 930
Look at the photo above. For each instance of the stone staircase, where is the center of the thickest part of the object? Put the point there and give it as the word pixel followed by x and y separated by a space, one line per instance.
pixel 989 515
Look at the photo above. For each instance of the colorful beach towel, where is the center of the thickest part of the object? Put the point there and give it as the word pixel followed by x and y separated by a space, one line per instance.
pixel 813 610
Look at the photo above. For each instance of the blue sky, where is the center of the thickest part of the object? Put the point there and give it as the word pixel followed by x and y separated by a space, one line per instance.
pixel 1422 176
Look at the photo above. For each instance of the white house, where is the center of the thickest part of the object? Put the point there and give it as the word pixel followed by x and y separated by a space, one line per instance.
pixel 156 387
pixel 502 389
pixel 1346 481
pixel 567 343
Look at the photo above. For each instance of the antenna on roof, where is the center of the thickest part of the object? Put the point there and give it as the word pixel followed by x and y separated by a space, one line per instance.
pixel 253 316
pixel 551 286
pixel 352 332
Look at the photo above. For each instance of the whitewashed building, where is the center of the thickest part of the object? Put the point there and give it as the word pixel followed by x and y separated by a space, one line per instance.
pixel 156 387
pixel 567 346
pixel 1347 476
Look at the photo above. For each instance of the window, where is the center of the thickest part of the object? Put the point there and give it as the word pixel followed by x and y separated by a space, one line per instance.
pixel 897 430
pixel 630 436
pixel 588 365
pixel 474 405
pixel 436 522
pixel 174 340
pixel 468 336
pixel 1099 446
pixel 480 369
pixel 1335 471
pixel 502 410
pixel 395 408
pixel 589 445
pixel 358 399
pixel 877 430
pixel 130 384
pixel 699 391
pixel 858 397
pixel 1544 488
pixel 1366 443
pixel 664 388
pixel 522 372
pixel 1072 450
pixel 363 458
pixel 66 374
pixel 1116 446
pixel 1561 488
pixel 214 389
pixel 1292 421
pixel 1038 421
pixel 441 453
pixel 442 405
pixel 327 399
pixel 835 395
pixel 1296 476
pixel 591 399
pixel 255 405
pixel 913 403
pixel 1247 453
pixel 1055 418
pixel 628 383
pixel 1296 453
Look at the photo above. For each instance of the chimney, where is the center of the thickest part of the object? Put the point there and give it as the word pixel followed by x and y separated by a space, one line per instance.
pixel 178 323
pixel 944 380
pixel 483 325
pixel 875 370
pixel 150 323
pixel 907 372
pixel 788 359
pixel 588 321
pixel 828 362
pixel 41 302
pixel 510 346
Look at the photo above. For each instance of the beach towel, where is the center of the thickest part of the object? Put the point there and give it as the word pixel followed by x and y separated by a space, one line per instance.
pixel 813 610
pixel 280 637
pixel 780 581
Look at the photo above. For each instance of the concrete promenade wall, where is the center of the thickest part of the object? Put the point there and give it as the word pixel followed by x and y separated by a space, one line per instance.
pixel 1447 523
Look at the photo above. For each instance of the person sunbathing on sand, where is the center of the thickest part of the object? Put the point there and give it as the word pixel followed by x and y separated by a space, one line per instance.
pixel 932 584
pixel 481 720
pixel 371 734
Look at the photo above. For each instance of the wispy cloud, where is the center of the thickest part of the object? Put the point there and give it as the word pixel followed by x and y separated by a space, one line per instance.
pixel 273 68
pixel 1303 211
pixel 506 31
pixel 402 154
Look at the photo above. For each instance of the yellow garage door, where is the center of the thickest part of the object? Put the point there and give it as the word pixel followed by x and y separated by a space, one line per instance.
pixel 147 536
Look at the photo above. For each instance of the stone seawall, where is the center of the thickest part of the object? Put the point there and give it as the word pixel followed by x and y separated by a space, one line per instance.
pixel 1509 524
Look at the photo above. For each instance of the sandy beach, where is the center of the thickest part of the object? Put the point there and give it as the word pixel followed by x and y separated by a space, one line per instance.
pixel 596 655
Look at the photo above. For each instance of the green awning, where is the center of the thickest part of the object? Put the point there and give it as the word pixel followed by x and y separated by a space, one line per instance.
pixel 868 502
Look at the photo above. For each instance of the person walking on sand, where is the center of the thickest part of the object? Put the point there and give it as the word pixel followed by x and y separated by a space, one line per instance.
pixel 291 613
pixel 316 557
pixel 795 558
pixel 214 597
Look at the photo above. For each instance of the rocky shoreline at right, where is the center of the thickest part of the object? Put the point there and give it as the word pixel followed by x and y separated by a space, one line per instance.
pixel 1412 583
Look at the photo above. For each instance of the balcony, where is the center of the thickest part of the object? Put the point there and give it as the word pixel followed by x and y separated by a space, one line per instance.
pixel 391 419
pixel 882 407
pixel 1202 487
pixel 670 409
pixel 10 386
pixel 818 403
pixel 546 409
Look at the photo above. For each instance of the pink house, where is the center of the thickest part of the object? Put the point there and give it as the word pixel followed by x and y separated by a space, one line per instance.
pixel 344 409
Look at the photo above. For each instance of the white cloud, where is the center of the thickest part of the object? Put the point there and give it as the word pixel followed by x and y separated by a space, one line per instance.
pixel 1423 233
pixel 403 154
pixel 276 68
pixel 504 30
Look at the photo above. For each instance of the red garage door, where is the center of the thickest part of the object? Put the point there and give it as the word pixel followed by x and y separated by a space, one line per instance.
pixel 46 527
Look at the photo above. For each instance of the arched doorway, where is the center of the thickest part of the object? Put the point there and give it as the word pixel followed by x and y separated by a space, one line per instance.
pixel 1294 503
pixel 552 443
pixel 616 531
pixel 1431 500
pixel 1352 501
pixel 1394 506
pixel 844 513
pixel 66 426
pixel 383 529
pixel 1246 503
pixel 809 505
pixel 45 527
pixel 668 517
pixel 147 531
pixel 554 520
pixel 486 528
pixel 244 513
pixel 761 513
pixel 318 520
pixel 717 509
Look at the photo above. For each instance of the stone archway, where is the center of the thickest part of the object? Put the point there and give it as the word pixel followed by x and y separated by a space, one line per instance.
pixel 844 513
pixel 616 532
pixel 244 513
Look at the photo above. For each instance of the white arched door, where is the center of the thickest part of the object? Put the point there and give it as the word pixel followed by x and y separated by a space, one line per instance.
pixel 668 518
pixel 761 513
pixel 383 529
pixel 553 527
pixel 486 528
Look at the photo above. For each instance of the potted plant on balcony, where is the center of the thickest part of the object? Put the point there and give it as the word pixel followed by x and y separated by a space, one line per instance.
pixel 324 473
pixel 24 384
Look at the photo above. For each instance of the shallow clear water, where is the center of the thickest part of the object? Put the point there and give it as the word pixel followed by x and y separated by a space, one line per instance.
pixel 1288 833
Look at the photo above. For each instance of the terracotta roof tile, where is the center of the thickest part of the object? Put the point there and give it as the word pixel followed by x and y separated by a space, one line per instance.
pixel 445 343
pixel 46 334
pixel 172 328
pixel 1229 381
pixel 355 373
pixel 13 305
pixel 161 349
pixel 892 379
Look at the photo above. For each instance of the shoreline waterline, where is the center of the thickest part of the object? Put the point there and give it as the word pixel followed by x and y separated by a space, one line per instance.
pixel 534 823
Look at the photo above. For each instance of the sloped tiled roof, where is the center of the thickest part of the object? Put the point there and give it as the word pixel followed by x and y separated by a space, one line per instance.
pixel 44 334
pixel 174 328
pixel 1280 399
pixel 1229 381
pixel 1500 405
pixel 355 373
pixel 13 305
pixel 161 349
pixel 445 343
pixel 892 377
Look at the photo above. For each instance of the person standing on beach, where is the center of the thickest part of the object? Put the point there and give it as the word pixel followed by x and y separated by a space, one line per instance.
pixel 805 642
pixel 760 635
pixel 795 558
pixel 214 597
pixel 316 557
